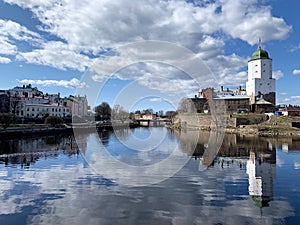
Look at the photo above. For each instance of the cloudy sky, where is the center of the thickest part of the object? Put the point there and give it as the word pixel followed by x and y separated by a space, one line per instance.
pixel 51 44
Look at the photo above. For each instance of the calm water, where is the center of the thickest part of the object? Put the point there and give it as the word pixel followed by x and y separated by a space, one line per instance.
pixel 49 181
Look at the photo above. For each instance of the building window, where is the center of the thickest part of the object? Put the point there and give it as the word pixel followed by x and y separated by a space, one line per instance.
pixel 32 109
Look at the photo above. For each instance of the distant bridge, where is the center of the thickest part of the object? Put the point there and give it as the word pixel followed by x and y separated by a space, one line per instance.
pixel 155 123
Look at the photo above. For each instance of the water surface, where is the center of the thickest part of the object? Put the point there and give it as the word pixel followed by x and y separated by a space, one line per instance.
pixel 49 181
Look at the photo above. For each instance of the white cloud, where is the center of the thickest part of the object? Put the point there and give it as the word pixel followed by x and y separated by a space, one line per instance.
pixel 4 60
pixel 6 47
pixel 295 97
pixel 92 26
pixel 295 48
pixel 156 100
pixel 296 72
pixel 18 32
pixel 56 54
pixel 236 79
pixel 286 100
pixel 229 70
pixel 283 93
pixel 249 22
pixel 278 74
pixel 73 83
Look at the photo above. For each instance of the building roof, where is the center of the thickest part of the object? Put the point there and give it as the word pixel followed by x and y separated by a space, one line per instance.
pixel 48 105
pixel 232 97
pixel 263 102
pixel 260 54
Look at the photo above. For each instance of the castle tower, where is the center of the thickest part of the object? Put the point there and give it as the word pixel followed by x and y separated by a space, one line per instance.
pixel 260 84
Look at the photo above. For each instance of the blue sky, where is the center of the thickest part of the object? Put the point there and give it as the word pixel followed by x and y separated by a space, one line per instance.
pixel 51 44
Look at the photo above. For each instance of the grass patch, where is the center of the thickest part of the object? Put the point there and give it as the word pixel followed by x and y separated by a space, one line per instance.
pixel 283 119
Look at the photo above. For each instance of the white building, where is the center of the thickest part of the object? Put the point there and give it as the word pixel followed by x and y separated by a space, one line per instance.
pixel 29 102
pixel 260 82
pixel 43 110
pixel 78 105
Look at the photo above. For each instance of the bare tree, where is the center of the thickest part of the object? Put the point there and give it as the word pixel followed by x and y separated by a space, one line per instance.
pixel 15 102
pixel 186 105
pixel 119 113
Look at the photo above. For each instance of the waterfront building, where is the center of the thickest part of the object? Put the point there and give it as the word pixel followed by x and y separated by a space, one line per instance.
pixel 290 111
pixel 259 95
pixel 147 116
pixel 78 105
pixel 260 84
pixel 235 101
pixel 29 102
pixel 44 110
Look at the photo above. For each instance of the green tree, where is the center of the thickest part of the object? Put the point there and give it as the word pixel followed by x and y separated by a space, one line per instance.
pixel 103 111
pixel 6 119
pixel 54 121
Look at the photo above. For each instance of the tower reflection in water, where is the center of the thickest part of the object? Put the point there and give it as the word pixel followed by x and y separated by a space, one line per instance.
pixel 257 156
pixel 261 168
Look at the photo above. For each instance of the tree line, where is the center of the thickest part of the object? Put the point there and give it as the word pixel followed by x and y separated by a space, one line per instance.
pixel 104 112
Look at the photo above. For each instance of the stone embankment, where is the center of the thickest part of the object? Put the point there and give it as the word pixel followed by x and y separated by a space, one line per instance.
pixel 245 124
pixel 21 132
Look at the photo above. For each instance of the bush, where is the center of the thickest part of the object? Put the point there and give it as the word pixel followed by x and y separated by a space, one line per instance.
pixel 54 121
pixel 6 119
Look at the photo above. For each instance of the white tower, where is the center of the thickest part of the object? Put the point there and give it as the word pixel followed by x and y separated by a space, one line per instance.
pixel 260 83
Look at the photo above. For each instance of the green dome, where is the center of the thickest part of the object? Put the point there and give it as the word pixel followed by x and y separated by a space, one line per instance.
pixel 260 54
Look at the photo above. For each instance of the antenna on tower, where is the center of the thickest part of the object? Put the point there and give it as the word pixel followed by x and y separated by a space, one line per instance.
pixel 259 43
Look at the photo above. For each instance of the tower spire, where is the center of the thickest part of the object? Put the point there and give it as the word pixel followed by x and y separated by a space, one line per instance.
pixel 259 43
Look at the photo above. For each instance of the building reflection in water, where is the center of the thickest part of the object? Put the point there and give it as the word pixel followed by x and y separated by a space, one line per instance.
pixel 261 169
pixel 257 156
pixel 27 151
